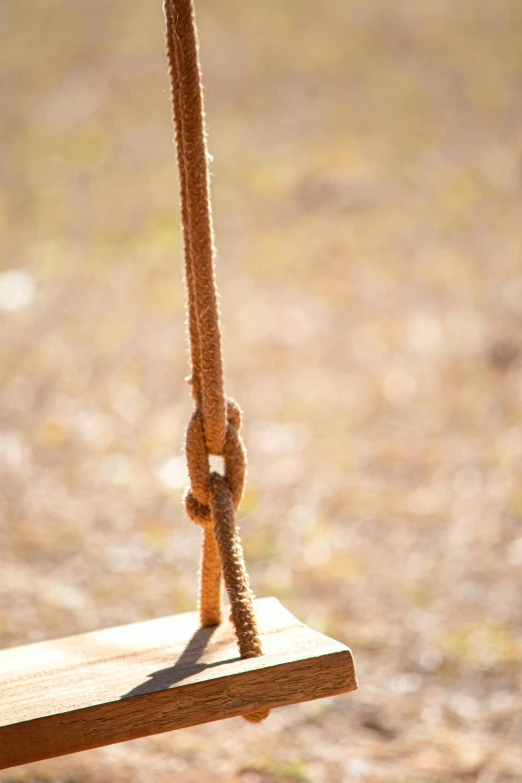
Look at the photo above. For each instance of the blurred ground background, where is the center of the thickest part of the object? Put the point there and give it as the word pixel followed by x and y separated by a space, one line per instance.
pixel 366 182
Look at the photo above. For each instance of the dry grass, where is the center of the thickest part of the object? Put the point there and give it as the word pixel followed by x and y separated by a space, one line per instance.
pixel 367 183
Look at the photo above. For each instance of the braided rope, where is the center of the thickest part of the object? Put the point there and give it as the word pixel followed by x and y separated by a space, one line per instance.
pixel 212 500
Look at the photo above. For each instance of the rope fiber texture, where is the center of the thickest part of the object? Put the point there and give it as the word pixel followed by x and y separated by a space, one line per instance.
pixel 212 500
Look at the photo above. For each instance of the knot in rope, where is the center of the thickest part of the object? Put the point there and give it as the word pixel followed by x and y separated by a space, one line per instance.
pixel 197 499
pixel 212 502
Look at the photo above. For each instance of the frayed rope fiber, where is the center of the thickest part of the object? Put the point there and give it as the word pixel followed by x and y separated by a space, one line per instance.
pixel 212 500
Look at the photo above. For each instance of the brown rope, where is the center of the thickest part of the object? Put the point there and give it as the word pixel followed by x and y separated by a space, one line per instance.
pixel 212 500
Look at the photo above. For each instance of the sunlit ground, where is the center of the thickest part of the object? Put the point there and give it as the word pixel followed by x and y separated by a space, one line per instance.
pixel 367 181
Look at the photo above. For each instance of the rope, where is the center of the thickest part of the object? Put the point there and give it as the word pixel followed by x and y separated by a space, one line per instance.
pixel 212 500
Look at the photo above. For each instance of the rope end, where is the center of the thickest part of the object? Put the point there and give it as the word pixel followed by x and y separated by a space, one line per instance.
pixel 257 716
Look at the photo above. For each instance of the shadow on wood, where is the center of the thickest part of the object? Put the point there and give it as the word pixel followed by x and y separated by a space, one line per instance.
pixel 186 665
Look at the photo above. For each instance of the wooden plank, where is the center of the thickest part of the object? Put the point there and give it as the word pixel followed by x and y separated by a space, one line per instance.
pixel 81 692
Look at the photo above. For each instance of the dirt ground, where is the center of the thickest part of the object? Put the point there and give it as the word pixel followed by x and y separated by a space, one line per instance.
pixel 367 181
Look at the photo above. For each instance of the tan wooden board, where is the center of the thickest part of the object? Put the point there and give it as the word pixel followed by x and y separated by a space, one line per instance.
pixel 94 689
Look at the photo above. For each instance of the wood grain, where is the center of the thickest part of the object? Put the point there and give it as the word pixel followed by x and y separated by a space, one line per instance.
pixel 81 692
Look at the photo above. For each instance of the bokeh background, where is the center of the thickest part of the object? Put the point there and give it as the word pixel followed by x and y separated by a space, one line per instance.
pixel 366 183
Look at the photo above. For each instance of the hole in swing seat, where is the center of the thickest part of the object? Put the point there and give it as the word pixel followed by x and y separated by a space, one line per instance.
pixel 217 463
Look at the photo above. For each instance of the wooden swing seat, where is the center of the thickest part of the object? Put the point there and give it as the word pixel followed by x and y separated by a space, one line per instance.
pixel 108 686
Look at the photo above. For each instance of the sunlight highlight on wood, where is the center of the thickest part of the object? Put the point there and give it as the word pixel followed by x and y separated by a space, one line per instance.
pixel 118 684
